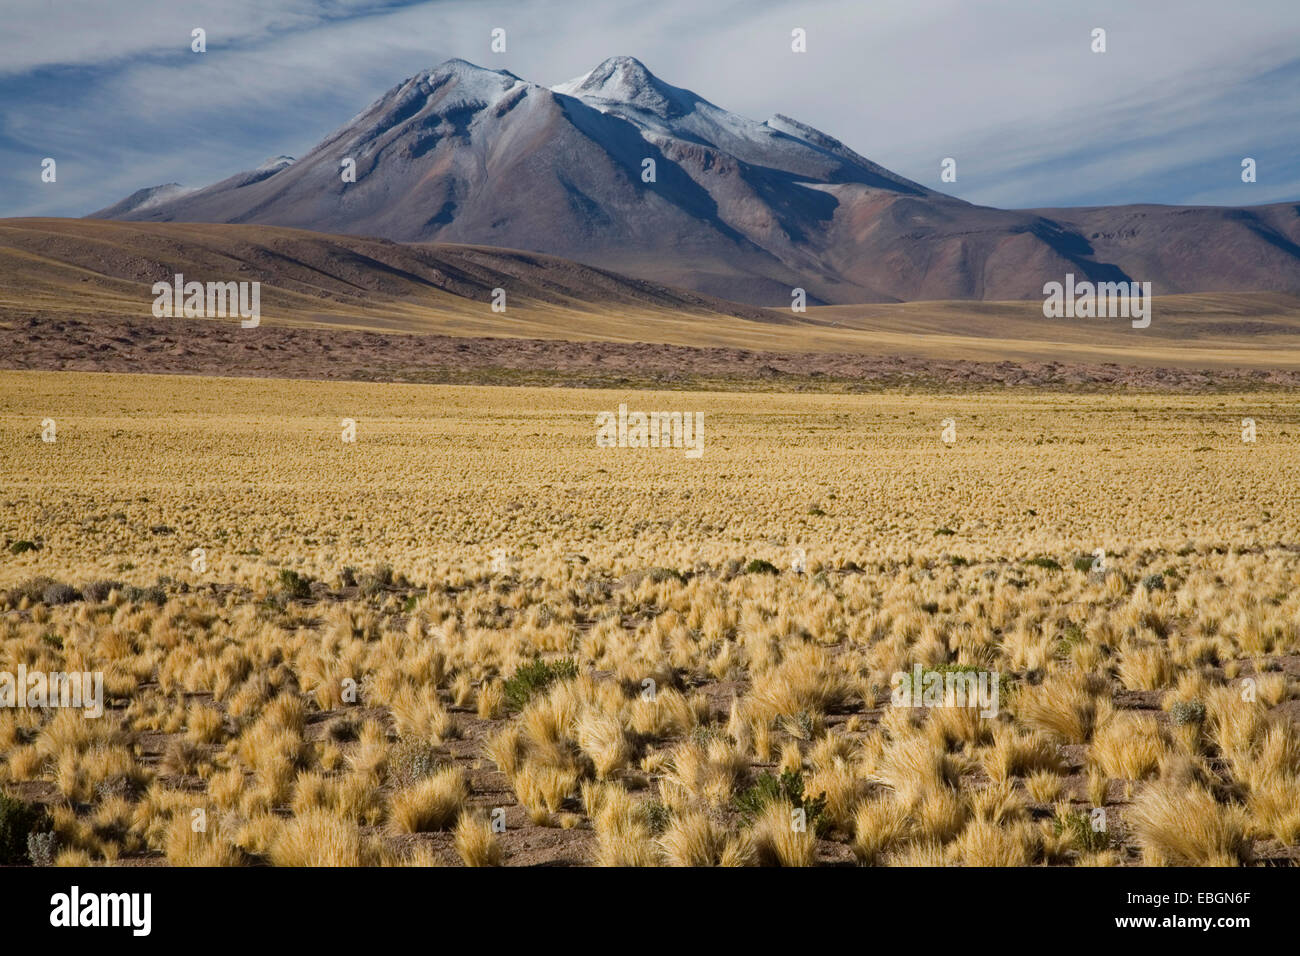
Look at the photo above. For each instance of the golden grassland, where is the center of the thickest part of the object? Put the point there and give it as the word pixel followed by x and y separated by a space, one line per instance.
pixel 610 646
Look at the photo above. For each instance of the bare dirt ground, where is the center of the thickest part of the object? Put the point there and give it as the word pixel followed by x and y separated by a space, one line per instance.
pixel 198 347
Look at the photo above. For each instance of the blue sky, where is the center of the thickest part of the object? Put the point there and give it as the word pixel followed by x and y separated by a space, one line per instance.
pixel 1009 88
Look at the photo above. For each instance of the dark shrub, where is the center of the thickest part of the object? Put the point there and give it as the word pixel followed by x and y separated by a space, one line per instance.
pixel 373 582
pixel 17 821
pixel 60 593
pixel 294 585
pixel 660 575
pixel 149 595
pixel 96 592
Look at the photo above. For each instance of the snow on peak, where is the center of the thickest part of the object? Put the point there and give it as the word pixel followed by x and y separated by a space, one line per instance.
pixel 473 81
pixel 624 80
pixel 275 162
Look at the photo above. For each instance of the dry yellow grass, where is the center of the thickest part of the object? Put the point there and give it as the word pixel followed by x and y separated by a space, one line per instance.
pixel 340 714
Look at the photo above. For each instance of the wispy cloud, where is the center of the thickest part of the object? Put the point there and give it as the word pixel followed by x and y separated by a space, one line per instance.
pixel 1010 89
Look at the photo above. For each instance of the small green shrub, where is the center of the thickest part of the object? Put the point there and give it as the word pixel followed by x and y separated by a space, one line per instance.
pixel 1051 564
pixel 1071 638
pixel 1079 832
pixel 789 786
pixel 1187 712
pixel 759 566
pixel 22 547
pixel 536 676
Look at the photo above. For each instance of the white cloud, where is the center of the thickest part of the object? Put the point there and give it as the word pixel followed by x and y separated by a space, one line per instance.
pixel 1010 88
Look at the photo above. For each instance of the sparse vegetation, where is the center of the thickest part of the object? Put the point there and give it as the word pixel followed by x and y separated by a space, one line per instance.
pixel 348 683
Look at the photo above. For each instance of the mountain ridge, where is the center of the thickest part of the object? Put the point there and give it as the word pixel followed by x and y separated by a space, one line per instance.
pixel 735 208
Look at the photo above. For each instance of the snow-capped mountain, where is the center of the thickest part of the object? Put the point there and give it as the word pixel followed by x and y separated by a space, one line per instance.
pixel 619 169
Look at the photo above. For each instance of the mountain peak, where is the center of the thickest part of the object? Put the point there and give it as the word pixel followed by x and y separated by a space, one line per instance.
pixel 626 68
pixel 626 80
pixel 464 68
pixel 474 82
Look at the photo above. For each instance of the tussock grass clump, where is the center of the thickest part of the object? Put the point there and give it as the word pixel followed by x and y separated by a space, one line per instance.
pixel 1063 707
pixel 880 824
pixel 186 846
pixel 781 838
pixel 693 839
pixel 1129 747
pixel 317 838
pixel 475 843
pixel 432 803
pixel 1183 825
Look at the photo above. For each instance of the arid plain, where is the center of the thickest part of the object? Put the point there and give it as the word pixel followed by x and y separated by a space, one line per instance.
pixel 474 636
